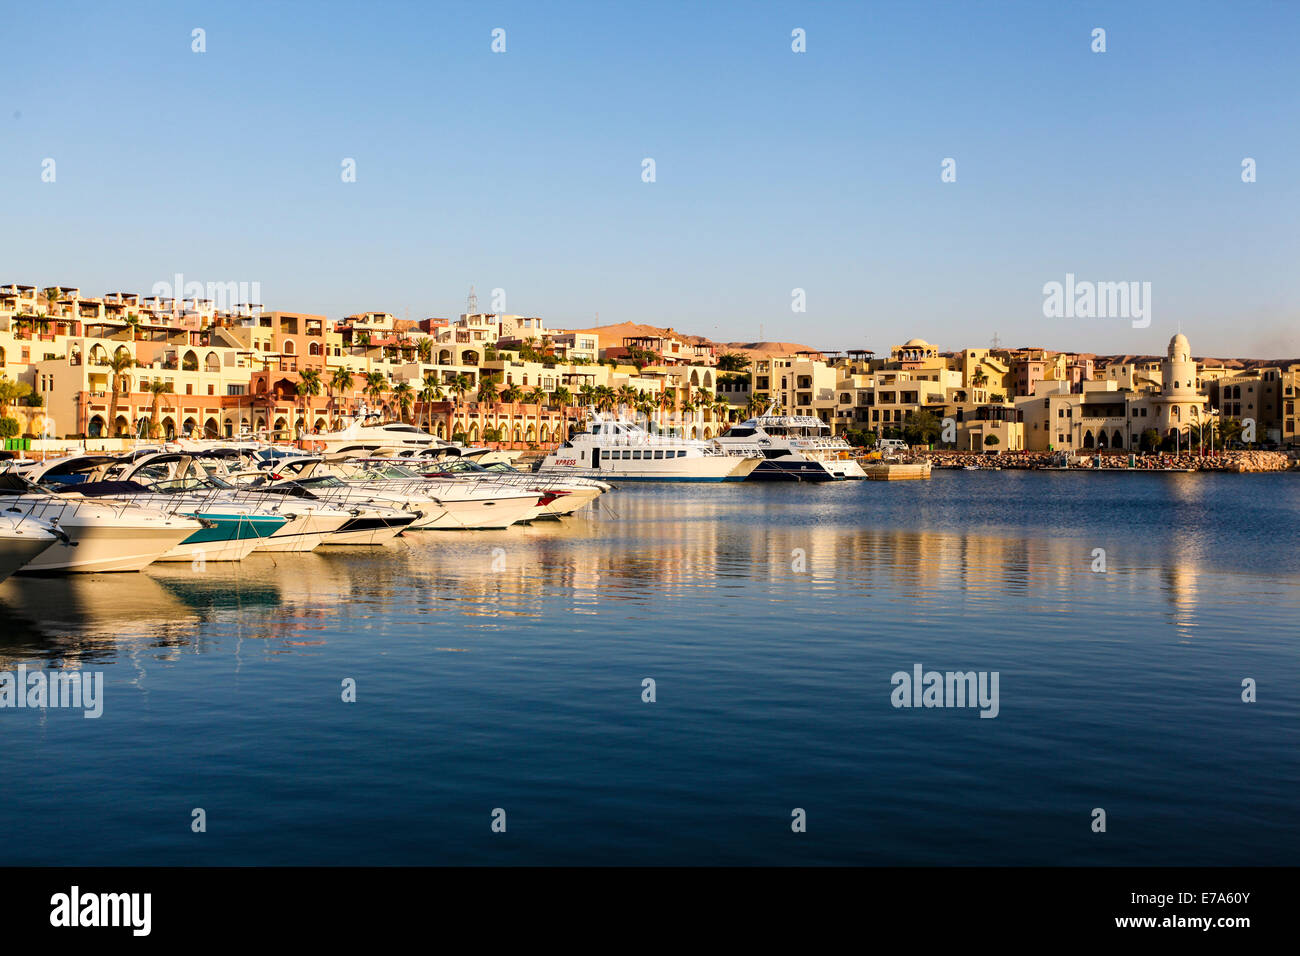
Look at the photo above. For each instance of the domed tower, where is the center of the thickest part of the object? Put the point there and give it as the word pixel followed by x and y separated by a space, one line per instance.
pixel 1179 407
pixel 1178 371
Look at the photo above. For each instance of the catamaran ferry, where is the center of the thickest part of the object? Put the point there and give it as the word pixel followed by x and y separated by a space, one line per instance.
pixel 615 449
pixel 793 447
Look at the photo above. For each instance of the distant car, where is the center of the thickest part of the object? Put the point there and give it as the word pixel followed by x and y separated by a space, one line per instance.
pixel 891 444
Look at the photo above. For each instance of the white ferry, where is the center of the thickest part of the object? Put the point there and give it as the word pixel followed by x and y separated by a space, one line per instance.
pixel 615 449
pixel 793 447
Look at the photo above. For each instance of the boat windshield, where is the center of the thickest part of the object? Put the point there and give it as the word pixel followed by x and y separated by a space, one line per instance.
pixel 322 481
pixel 173 486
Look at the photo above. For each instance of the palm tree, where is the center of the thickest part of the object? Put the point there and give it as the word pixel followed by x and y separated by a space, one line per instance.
pixel 561 397
pixel 404 395
pixel 309 386
pixel 340 382
pixel 511 394
pixel 460 386
pixel 979 379
pixel 605 397
pixel 732 362
pixel 53 296
pixel 487 388
pixel 117 368
pixel 756 405
pixel 587 392
pixel 430 393
pixel 425 350
pixel 157 388
pixel 537 396
pixel 627 395
pixel 375 386
pixel 721 410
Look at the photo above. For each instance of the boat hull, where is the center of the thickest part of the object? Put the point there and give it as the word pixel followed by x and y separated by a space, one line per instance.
pixel 481 514
pixel 233 538
pixel 368 531
pixel 98 549
pixel 18 550
pixel 806 469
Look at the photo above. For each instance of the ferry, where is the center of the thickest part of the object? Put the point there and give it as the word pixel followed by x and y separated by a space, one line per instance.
pixel 793 448
pixel 617 449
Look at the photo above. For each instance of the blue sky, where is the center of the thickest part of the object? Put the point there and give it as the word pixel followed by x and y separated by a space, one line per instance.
pixel 774 170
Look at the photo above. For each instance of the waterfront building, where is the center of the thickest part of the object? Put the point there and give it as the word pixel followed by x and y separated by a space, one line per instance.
pixel 1103 416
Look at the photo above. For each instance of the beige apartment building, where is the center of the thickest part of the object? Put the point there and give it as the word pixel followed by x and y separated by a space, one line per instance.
pixel 1105 417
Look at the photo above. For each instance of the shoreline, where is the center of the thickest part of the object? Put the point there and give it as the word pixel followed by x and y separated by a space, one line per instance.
pixel 1230 462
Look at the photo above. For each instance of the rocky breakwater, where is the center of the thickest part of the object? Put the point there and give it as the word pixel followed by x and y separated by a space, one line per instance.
pixel 1238 462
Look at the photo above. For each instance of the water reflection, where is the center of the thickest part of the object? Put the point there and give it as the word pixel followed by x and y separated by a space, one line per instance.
pixel 656 549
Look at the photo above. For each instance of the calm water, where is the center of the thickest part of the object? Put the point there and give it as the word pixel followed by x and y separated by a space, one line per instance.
pixel 520 687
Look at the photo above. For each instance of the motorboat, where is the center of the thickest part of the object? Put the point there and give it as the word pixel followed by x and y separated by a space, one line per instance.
pixel 614 448
pixel 21 540
pixel 559 496
pixel 100 536
pixel 369 433
pixel 445 503
pixel 793 448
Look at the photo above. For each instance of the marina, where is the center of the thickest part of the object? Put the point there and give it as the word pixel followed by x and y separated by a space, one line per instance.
pixel 216 679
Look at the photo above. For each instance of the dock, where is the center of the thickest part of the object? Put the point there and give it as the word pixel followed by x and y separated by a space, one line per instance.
pixel 896 471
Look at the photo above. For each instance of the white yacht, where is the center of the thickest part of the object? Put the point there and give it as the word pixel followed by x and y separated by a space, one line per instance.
pixel 21 540
pixel 793 448
pixel 100 535
pixel 616 449
pixel 560 496
pixel 314 515
pixel 444 503
pixel 367 432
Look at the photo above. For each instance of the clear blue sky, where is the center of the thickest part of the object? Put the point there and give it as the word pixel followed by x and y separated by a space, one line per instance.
pixel 775 170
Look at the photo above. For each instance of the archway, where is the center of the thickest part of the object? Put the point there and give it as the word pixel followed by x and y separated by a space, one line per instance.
pixel 210 428
pixel 1087 439
pixel 1117 440
pixel 121 426
pixel 95 429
